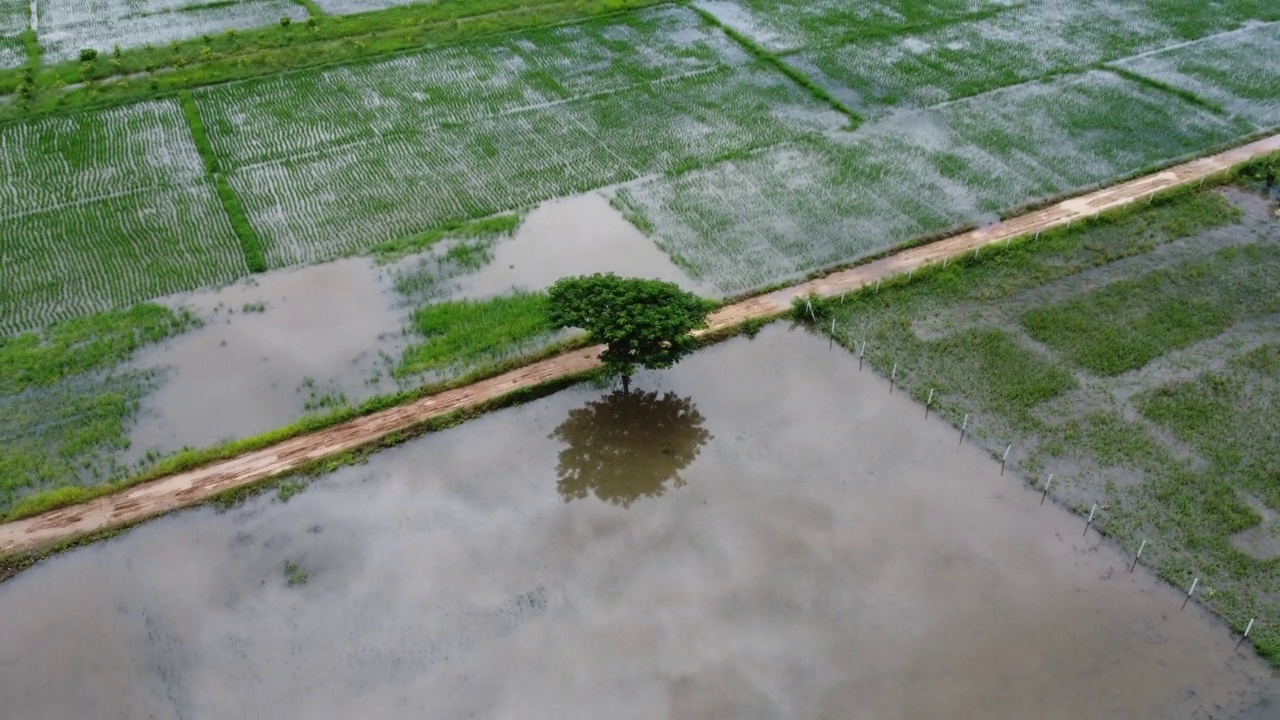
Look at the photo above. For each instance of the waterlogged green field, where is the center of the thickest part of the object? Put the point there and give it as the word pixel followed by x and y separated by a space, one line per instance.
pixel 103 210
pixel 338 160
pixel 787 211
pixel 753 141
pixel 65 406
pixel 1239 71
pixel 1133 358
pixel 732 158
pixel 938 62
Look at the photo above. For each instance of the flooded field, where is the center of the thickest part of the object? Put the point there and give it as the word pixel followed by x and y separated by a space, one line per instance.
pixel 271 348
pixel 288 342
pixel 762 531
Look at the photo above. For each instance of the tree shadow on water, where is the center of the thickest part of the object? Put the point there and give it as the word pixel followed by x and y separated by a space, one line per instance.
pixel 626 446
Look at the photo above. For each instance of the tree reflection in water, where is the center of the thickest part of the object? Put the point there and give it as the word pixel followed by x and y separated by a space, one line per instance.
pixel 626 446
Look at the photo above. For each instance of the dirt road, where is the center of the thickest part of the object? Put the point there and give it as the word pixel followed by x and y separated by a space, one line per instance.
pixel 194 486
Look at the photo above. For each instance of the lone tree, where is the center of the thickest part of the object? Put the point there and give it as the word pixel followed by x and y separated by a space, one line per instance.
pixel 643 322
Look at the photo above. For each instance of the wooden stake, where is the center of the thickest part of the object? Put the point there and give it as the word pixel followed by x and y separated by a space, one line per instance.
pixel 1045 492
pixel 1246 632
pixel 964 426
pixel 1089 522
pixel 1141 547
pixel 893 377
pixel 927 403
pixel 1005 458
pixel 1186 599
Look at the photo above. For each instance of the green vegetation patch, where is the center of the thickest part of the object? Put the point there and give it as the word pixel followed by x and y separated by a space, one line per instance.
pixel 1240 71
pixel 813 202
pixel 65 404
pixel 74 347
pixel 956 331
pixel 1232 417
pixel 106 209
pixel 1129 323
pixel 472 332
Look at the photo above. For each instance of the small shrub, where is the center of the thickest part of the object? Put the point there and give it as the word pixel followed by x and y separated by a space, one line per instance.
pixel 88 55
pixel 286 21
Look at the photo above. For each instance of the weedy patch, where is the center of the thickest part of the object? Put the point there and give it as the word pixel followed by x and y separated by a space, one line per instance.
pixel 295 574
pixel 1061 347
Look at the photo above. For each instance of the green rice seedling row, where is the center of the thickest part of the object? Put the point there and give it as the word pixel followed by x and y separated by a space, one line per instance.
pixel 103 210
pixel 351 197
pixel 1239 70
pixel 12 53
pixel 281 117
pixel 15 16
pixel 920 69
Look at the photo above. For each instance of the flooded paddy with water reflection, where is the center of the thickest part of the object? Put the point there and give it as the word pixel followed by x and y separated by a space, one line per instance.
pixel 762 531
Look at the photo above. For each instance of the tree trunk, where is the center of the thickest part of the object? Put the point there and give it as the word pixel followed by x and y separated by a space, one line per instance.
pixel 626 383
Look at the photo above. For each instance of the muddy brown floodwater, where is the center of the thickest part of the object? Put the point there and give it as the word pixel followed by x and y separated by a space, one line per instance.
pixel 763 531
pixel 323 330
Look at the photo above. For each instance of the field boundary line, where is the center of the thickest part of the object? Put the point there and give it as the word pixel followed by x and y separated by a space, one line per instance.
pixel 250 244
pixel 191 487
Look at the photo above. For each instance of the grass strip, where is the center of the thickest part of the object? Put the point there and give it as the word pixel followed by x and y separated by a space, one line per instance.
pixel 35 51
pixel 311 7
pixel 1129 323
pixel 250 243
pixel 1180 93
pixel 783 67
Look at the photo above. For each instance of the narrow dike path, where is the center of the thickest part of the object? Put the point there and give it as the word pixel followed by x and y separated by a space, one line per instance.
pixel 194 486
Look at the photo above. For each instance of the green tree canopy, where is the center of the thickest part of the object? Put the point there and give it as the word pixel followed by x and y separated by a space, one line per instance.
pixel 643 322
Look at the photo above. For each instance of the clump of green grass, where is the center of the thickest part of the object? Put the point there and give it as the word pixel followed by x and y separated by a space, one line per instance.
pixel 1129 323
pixel 1232 418
pixel 483 229
pixel 468 332
pixel 87 344
pixel 295 574
pixel 289 488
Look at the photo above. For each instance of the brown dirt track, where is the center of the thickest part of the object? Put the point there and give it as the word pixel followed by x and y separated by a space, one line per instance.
pixel 194 486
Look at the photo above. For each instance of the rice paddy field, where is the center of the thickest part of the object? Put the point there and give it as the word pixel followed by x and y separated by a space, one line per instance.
pixel 65 27
pixel 804 135
pixel 15 16
pixel 752 142
pixel 105 210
